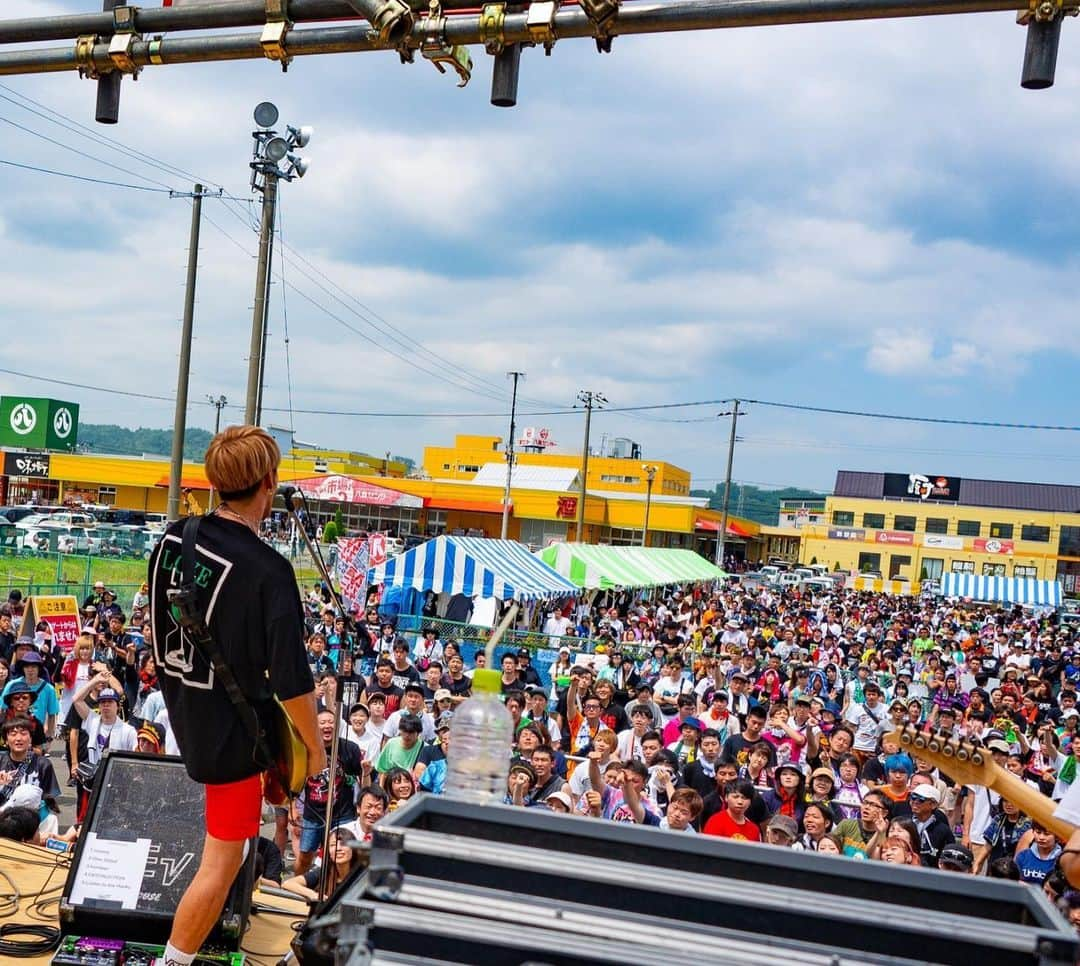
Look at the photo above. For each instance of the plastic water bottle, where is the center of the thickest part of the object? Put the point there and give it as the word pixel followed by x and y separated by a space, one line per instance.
pixel 481 734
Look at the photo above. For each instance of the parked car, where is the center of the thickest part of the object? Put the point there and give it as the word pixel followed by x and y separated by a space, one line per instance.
pixel 930 586
pixel 57 539
pixel 788 580
pixel 818 585
pixel 804 573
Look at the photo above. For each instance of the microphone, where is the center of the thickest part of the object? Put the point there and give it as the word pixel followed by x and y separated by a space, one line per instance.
pixel 290 494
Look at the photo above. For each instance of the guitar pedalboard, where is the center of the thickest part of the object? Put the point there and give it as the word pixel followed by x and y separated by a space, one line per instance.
pixel 92 951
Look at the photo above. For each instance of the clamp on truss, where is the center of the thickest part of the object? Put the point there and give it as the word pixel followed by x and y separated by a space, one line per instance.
pixel 274 32
pixel 493 27
pixel 603 14
pixel 123 40
pixel 540 22
pixel 1043 11
pixel 435 48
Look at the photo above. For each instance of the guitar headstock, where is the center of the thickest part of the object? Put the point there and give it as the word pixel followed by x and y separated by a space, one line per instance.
pixel 962 761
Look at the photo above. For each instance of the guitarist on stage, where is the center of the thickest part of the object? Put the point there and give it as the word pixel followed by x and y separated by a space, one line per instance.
pixel 248 595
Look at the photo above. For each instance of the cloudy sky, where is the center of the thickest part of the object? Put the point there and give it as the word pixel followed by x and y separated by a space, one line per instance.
pixel 869 217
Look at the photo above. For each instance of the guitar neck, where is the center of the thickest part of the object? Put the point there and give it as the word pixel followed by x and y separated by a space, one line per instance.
pixel 1033 803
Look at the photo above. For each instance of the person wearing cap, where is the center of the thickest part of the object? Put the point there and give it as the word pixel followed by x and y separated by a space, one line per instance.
pixel 559 801
pixel 357 730
pixel 980 804
pixel 957 858
pixel 782 830
pixel 104 728
pixel 27 668
pixel 536 709
pixel 685 747
pixel 933 826
pixel 151 738
pixel 94 598
pixel 412 703
pixel 22 767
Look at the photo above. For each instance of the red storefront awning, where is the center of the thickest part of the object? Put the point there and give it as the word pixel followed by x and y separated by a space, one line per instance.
pixel 187 483
pixel 713 526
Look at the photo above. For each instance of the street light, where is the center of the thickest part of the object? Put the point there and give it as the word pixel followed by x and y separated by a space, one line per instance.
pixel 273 158
pixel 650 475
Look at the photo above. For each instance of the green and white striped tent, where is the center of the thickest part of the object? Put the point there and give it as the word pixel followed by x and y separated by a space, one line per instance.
pixel 602 567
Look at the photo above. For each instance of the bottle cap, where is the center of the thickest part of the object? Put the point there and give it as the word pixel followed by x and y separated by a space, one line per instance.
pixel 487 680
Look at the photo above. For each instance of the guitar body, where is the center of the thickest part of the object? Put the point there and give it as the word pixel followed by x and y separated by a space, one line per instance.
pixel 285 779
pixel 969 764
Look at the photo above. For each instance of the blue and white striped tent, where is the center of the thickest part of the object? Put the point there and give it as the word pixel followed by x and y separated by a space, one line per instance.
pixel 1007 590
pixel 476 567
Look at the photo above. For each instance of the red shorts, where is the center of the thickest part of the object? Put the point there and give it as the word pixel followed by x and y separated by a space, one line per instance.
pixel 234 810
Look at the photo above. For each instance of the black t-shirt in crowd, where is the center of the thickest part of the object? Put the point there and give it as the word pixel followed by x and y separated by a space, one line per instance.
pixel 249 595
pixel 317 788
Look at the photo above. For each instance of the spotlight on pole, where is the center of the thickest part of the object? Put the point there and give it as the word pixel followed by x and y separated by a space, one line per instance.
pixel 266 114
pixel 392 19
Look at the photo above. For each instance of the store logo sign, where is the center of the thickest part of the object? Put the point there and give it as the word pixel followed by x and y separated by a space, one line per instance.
pixel 23 419
pixel 62 422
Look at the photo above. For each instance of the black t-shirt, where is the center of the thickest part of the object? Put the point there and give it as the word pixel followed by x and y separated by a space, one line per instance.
pixel 317 788
pixel 35 770
pixel 459 688
pixel 409 676
pixel 392 694
pixel 736 750
pixel 249 595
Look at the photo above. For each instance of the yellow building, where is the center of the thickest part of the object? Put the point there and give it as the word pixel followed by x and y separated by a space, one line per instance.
pixel 916 526
pixel 543 499
pixel 469 454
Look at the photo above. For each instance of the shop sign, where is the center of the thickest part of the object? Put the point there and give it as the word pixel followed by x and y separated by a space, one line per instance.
pixel 993 545
pixel 922 486
pixel 895 537
pixel 846 533
pixel 34 423
pixel 26 464
pixel 566 507
pixel 941 541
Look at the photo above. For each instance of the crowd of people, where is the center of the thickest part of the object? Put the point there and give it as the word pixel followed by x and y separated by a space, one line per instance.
pixel 762 715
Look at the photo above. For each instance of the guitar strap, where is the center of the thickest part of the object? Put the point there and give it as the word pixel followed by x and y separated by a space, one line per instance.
pixel 190 616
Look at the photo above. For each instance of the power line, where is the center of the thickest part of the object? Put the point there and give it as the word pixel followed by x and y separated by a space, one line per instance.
pixel 82 154
pixel 81 177
pixel 52 116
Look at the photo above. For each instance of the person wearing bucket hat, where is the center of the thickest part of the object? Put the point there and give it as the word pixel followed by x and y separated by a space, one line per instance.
pixel 28 667
pixel 17 700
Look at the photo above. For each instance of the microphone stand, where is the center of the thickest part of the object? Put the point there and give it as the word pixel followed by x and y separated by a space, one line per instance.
pixel 294 500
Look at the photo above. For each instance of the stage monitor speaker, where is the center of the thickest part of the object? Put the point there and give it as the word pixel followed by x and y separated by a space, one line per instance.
pixel 141 842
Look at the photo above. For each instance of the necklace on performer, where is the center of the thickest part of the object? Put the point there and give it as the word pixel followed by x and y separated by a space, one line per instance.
pixel 227 511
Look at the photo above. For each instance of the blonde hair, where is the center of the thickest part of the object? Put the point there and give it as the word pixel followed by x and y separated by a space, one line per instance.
pixel 238 459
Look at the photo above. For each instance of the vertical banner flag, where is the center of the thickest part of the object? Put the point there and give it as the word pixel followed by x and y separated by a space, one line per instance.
pixel 352 568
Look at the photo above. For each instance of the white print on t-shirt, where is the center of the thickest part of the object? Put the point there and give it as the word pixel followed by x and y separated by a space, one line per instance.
pixel 179 652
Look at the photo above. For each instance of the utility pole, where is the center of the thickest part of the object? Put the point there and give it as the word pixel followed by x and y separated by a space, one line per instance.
pixel 734 413
pixel 253 400
pixel 176 466
pixel 510 453
pixel 589 399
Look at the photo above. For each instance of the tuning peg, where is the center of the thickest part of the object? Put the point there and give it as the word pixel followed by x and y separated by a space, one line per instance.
pixel 977 757
pixel 963 752
pixel 948 749
pixel 934 745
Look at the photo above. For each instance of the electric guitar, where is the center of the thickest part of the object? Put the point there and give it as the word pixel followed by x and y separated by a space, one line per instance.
pixel 286 776
pixel 970 764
